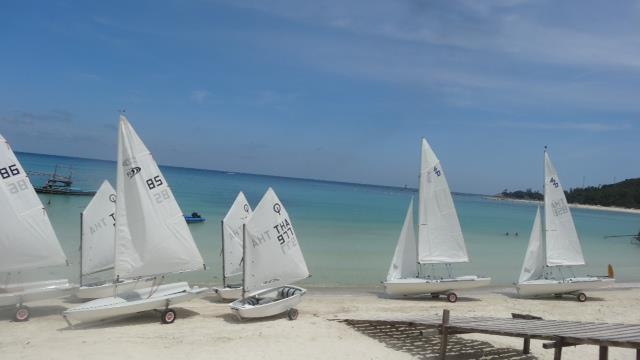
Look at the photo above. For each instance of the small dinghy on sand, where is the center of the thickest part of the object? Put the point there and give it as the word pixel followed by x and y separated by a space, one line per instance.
pixel 97 236
pixel 231 225
pixel 27 239
pixel 273 259
pixel 555 246
pixel 440 240
pixel 152 239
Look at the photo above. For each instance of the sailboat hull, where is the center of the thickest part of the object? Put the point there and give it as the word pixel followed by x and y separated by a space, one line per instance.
pixel 229 293
pixel 268 302
pixel 416 286
pixel 30 292
pixel 567 286
pixel 106 289
pixel 135 301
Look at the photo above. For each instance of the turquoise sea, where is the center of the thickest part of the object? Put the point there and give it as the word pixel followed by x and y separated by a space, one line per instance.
pixel 348 232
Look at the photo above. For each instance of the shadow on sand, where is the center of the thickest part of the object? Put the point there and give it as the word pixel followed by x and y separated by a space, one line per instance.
pixel 141 318
pixel 426 297
pixel 8 312
pixel 423 343
pixel 567 297
pixel 233 319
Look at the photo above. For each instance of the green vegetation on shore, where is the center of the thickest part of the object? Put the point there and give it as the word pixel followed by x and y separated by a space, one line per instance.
pixel 621 194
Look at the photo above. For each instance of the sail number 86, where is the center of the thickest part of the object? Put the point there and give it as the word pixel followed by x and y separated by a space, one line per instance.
pixel 9 171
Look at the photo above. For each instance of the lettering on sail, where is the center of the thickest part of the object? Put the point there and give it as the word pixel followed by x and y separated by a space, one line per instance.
pixel 285 235
pixel 102 223
pixel 260 239
pixel 559 207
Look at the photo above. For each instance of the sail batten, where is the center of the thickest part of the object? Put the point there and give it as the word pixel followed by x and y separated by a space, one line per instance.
pixel 98 231
pixel 152 237
pixel 561 238
pixel 27 239
pixel 237 215
pixel 440 238
pixel 272 255
pixel 404 263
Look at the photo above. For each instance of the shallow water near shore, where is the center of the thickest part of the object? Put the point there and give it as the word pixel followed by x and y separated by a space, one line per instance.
pixel 348 232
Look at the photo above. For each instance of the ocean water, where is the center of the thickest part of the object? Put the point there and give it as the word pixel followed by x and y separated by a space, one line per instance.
pixel 347 232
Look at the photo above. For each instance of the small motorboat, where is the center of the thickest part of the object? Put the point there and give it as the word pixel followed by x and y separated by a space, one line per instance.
pixel 194 218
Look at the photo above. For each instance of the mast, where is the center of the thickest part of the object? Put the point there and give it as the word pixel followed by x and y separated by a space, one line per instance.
pixel 244 258
pixel 81 231
pixel 224 276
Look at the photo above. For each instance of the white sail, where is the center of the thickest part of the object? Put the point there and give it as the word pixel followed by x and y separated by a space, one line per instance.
pixel 440 237
pixel 273 256
pixel 232 223
pixel 27 239
pixel 405 258
pixel 533 265
pixel 562 243
pixel 98 231
pixel 152 237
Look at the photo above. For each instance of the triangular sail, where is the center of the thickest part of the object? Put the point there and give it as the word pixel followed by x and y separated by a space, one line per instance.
pixel 27 239
pixel 440 237
pixel 98 231
pixel 405 258
pixel 272 252
pixel 562 243
pixel 533 265
pixel 152 237
pixel 232 223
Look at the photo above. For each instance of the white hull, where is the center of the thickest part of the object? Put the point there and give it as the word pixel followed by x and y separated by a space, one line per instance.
pixel 135 301
pixel 566 286
pixel 270 302
pixel 107 289
pixel 229 293
pixel 33 285
pixel 416 286
pixel 48 290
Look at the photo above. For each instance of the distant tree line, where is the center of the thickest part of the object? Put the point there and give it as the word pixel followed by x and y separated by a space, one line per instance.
pixel 622 194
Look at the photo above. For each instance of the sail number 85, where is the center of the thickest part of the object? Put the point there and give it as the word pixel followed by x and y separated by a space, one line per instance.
pixel 154 182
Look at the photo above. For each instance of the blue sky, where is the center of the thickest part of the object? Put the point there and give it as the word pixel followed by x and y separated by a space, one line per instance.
pixel 335 90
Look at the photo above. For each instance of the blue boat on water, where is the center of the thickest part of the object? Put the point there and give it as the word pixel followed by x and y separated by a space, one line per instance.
pixel 194 218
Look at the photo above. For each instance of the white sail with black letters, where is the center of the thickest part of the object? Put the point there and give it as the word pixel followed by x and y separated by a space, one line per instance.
pixel 440 237
pixel 152 237
pixel 404 263
pixel 27 239
pixel 562 242
pixel 534 260
pixel 272 255
pixel 98 231
pixel 232 223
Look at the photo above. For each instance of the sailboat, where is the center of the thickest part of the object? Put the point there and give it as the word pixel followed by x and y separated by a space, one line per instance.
pixel 97 236
pixel 555 246
pixel 231 225
pixel 439 241
pixel 27 239
pixel 152 239
pixel 272 261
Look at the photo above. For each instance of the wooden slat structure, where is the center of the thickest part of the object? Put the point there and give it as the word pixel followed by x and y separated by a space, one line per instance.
pixel 559 333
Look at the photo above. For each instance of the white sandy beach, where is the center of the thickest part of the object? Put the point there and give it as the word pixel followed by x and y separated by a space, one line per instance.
pixel 206 329
pixel 575 206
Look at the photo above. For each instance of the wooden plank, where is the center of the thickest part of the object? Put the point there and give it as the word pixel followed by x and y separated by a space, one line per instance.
pixel 443 337
pixel 603 353
pixel 526 346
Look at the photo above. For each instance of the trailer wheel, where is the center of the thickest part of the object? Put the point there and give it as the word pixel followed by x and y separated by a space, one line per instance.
pixel 452 297
pixel 22 313
pixel 168 316
pixel 582 297
pixel 292 314
pixel 435 296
